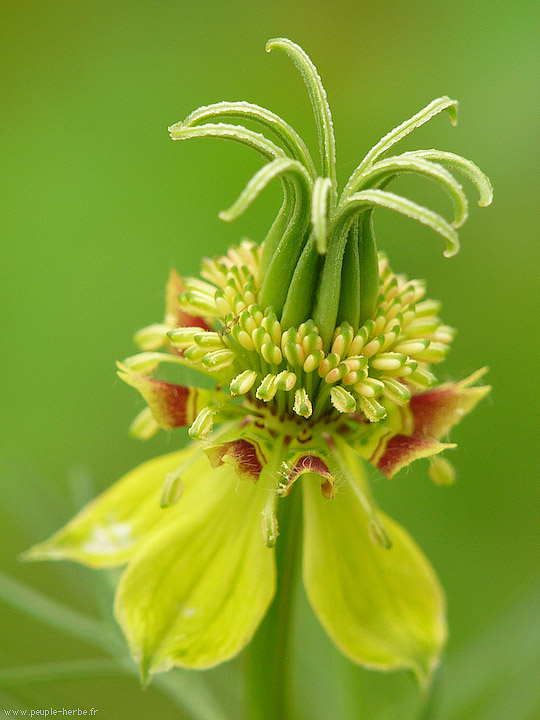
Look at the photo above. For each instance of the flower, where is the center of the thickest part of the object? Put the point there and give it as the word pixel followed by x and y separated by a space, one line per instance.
pixel 320 360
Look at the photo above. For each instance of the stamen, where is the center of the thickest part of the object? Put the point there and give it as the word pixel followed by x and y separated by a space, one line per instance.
pixel 144 426
pixel 302 403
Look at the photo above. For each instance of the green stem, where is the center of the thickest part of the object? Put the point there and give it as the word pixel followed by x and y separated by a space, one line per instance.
pixel 431 706
pixel 269 654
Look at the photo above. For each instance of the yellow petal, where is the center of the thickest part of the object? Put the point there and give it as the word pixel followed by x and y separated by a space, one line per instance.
pixel 110 529
pixel 383 608
pixel 196 592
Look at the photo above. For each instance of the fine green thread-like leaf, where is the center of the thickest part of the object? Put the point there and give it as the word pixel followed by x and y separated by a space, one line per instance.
pixel 294 145
pixel 319 102
pixel 471 171
pixel 262 178
pixel 236 133
pixel 319 212
pixel 398 133
pixel 381 198
pixel 387 170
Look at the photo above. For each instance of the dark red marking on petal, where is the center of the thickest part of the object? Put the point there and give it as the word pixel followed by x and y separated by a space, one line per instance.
pixel 432 409
pixel 433 414
pixel 401 450
pixel 171 405
pixel 311 464
pixel 244 455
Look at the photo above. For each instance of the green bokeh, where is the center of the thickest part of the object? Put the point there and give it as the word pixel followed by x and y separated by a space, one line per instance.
pixel 98 204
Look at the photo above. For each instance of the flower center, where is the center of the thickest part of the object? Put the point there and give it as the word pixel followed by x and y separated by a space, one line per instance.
pixel 286 371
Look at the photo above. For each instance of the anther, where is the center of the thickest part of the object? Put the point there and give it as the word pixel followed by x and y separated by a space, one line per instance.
pixel 151 337
pixel 218 360
pixel 144 426
pixel 267 389
pixel 243 383
pixel 342 400
pixel 388 361
pixel 302 403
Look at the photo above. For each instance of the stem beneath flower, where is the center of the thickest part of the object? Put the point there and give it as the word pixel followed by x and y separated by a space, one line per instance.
pixel 268 656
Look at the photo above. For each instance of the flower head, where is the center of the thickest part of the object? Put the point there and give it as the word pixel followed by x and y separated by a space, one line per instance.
pixel 321 359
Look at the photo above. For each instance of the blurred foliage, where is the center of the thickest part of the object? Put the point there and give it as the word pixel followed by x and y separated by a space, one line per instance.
pixel 98 204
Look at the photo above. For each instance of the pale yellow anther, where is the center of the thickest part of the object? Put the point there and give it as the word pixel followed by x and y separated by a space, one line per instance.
pixel 350 378
pixel 336 374
pixel 441 471
pixel 183 337
pixel 411 347
pixel 239 304
pixel 369 388
pixel 208 340
pixel 339 346
pixel 388 361
pixel 194 353
pixel 444 334
pixel 144 426
pixel 249 324
pixel 243 383
pixel 196 285
pixel 408 317
pixel 373 410
pixel 389 339
pixel 267 389
pixel 380 322
pixel 427 308
pixel 230 294
pixel 245 340
pixel 423 326
pixel 285 380
pixel 313 361
pixel 392 311
pixel 222 306
pixel 329 363
pixel 357 345
pixel 151 337
pixel 371 348
pixel 342 400
pixel 302 403
pixel 218 360
pixel 271 353
pixel 203 424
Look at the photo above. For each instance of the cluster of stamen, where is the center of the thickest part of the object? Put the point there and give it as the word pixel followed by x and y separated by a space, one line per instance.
pixel 288 370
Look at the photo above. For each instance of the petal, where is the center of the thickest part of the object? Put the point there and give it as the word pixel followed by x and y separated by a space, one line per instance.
pixel 402 450
pixel 431 414
pixel 245 456
pixel 110 529
pixel 197 590
pixel 383 608
pixel 171 405
pixel 313 463
pixel 436 411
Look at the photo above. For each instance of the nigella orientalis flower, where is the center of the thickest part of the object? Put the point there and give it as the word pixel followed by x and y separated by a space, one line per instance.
pixel 321 360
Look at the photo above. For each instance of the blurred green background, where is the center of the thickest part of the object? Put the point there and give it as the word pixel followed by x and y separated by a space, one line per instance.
pixel 98 204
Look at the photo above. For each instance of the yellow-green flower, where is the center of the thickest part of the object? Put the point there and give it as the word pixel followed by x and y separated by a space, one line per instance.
pixel 321 361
